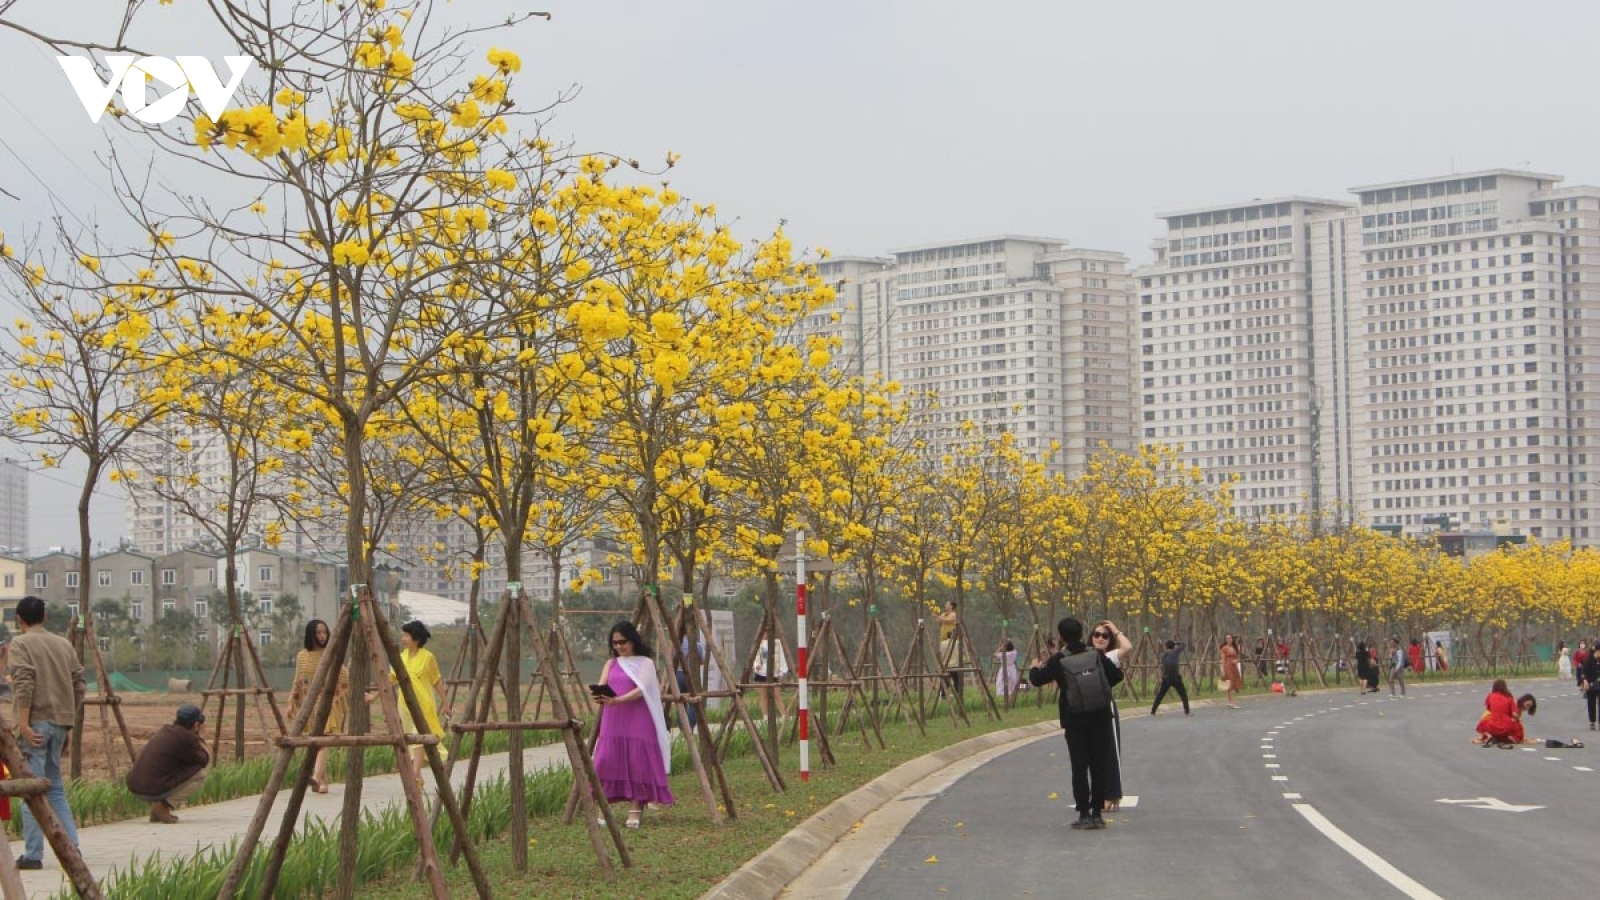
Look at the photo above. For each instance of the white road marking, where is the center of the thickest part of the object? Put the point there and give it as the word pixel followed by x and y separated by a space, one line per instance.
pixel 1128 801
pixel 1553 758
pixel 1280 778
pixel 1273 766
pixel 1291 796
pixel 1269 756
pixel 1583 768
pixel 1529 750
pixel 1494 803
pixel 1379 866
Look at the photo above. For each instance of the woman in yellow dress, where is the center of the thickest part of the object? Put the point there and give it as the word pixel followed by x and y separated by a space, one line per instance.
pixel 305 668
pixel 423 667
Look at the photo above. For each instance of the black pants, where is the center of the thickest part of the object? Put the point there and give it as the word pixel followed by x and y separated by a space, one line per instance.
pixel 1090 747
pixel 1592 697
pixel 1177 685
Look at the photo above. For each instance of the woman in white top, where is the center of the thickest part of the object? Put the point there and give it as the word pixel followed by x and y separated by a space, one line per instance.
pixel 1109 639
pixel 1005 675
pixel 1564 660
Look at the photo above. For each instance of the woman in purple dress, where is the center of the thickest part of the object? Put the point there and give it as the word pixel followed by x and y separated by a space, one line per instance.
pixel 633 755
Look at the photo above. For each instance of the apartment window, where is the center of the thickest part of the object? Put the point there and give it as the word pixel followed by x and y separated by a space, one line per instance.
pixel 11 580
pixel 136 577
pixel 103 577
pixel 41 580
pixel 72 609
pixel 169 577
pixel 266 639
pixel 72 579
pixel 169 606
pixel 136 610
pixel 264 574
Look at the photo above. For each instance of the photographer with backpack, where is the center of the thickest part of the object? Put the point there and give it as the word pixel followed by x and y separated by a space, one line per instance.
pixel 1085 677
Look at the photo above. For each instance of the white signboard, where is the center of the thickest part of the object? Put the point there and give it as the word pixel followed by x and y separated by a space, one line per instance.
pixel 722 633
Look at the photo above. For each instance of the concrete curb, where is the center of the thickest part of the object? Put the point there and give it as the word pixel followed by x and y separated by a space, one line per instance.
pixel 771 872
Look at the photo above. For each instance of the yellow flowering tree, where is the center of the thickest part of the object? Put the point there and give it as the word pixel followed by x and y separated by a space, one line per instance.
pixel 360 192
pixel 82 382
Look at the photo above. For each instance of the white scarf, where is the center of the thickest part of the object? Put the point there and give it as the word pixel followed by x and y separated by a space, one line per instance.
pixel 642 669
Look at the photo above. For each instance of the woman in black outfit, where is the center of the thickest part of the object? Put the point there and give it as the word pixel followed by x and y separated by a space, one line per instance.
pixel 1366 668
pixel 1589 680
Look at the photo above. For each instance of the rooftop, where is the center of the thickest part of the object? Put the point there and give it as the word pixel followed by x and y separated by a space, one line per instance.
pixel 962 242
pixel 1258 201
pixel 1512 173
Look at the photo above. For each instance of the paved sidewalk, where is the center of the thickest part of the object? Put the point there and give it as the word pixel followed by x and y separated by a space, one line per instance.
pixel 109 847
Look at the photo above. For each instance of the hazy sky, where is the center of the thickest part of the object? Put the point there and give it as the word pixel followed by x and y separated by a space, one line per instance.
pixel 871 125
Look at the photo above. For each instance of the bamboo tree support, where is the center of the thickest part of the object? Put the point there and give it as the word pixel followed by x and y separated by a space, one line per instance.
pixel 1206 663
pixel 1312 660
pixel 238 651
pixel 570 678
pixel 770 634
pixel 514 616
pixel 829 644
pixel 21 782
pixel 1143 660
pixel 461 671
pixel 875 665
pixel 915 669
pixel 818 724
pixel 1341 666
pixel 1264 665
pixel 650 616
pixel 693 619
pixel 361 613
pixel 81 635
pixel 962 652
pixel 1036 648
pixel 1479 656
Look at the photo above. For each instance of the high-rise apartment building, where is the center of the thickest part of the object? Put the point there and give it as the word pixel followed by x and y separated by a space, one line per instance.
pixel 1019 335
pixel 1474 385
pixel 859 316
pixel 1225 349
pixel 1414 359
pixel 13 507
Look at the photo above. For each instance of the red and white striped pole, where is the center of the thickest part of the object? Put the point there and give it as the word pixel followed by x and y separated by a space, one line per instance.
pixel 800 615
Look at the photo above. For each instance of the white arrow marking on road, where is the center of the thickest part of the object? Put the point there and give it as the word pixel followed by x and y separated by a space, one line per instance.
pixel 1490 803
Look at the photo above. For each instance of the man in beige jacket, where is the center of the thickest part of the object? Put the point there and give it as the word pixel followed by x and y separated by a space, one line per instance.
pixel 47 687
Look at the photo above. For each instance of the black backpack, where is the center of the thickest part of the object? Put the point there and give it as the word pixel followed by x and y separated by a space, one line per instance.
pixel 1086 686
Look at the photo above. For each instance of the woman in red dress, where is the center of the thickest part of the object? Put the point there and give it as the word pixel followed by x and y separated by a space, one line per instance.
pixel 1501 723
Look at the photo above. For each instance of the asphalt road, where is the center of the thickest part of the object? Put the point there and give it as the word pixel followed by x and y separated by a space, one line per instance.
pixel 1330 794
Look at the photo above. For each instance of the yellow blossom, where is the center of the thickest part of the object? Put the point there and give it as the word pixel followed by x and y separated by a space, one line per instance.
pixel 506 61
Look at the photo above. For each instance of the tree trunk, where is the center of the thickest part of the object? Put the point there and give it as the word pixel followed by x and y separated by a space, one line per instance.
pixel 359 719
